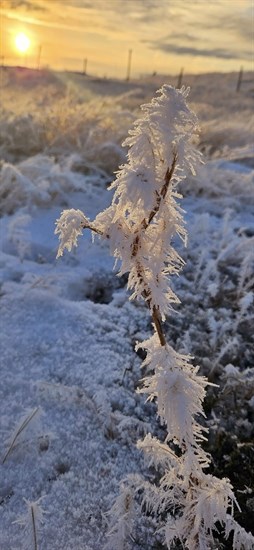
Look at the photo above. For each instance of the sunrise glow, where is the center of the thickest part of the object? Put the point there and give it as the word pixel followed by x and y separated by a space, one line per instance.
pixel 22 42
pixel 164 36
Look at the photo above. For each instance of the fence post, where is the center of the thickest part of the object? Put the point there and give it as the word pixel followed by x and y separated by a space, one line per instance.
pixel 180 78
pixel 129 65
pixel 239 81
pixel 39 57
pixel 84 66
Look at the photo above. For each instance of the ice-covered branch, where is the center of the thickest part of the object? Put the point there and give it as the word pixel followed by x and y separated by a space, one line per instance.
pixel 140 224
pixel 69 226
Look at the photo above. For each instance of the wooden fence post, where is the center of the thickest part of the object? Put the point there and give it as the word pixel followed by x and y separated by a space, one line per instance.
pixel 180 79
pixel 239 81
pixel 84 66
pixel 129 65
pixel 39 57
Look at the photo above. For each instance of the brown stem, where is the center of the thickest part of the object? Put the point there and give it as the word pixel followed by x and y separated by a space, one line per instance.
pixel 94 229
pixel 163 192
pixel 158 325
pixel 156 316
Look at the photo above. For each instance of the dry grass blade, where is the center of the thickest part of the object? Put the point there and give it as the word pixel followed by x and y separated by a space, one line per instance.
pixel 34 527
pixel 31 521
pixel 18 431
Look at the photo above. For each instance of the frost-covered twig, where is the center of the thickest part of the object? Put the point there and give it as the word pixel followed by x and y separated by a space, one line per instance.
pixel 70 226
pixel 140 223
pixel 121 521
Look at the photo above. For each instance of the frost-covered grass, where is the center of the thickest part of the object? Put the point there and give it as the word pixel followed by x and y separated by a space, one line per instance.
pixel 67 330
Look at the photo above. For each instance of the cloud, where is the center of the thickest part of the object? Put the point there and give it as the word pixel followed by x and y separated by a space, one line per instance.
pixel 142 11
pixel 26 4
pixel 79 4
pixel 218 32
pixel 173 48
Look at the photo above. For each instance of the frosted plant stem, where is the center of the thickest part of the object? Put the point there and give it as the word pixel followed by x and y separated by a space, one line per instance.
pixel 22 427
pixel 162 195
pixel 158 325
pixel 140 224
pixel 93 228
pixel 31 522
pixel 155 312
pixel 34 529
pixel 156 316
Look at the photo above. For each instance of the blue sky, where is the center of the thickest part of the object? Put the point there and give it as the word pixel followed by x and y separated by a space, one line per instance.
pixel 165 35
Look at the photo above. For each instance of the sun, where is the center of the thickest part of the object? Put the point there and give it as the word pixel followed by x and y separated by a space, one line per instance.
pixel 22 42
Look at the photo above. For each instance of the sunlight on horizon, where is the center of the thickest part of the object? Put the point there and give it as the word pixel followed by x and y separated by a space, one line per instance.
pixel 163 35
pixel 22 42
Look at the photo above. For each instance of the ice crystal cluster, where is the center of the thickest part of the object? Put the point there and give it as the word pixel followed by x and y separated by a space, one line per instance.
pixel 140 224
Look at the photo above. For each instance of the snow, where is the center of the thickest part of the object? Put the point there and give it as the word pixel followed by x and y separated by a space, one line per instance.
pixel 68 330
pixel 63 361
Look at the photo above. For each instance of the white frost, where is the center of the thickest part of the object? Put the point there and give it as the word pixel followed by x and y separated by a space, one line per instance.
pixel 69 226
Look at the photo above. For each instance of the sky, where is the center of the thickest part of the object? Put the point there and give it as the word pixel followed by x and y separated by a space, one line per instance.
pixel 163 35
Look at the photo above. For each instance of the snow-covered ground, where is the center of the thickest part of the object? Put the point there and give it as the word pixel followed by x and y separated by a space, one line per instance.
pixel 70 414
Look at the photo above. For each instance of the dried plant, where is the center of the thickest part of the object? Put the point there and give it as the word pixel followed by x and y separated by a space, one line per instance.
pixel 140 224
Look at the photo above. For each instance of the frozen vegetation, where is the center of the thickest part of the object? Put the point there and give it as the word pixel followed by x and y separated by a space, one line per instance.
pixel 71 414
